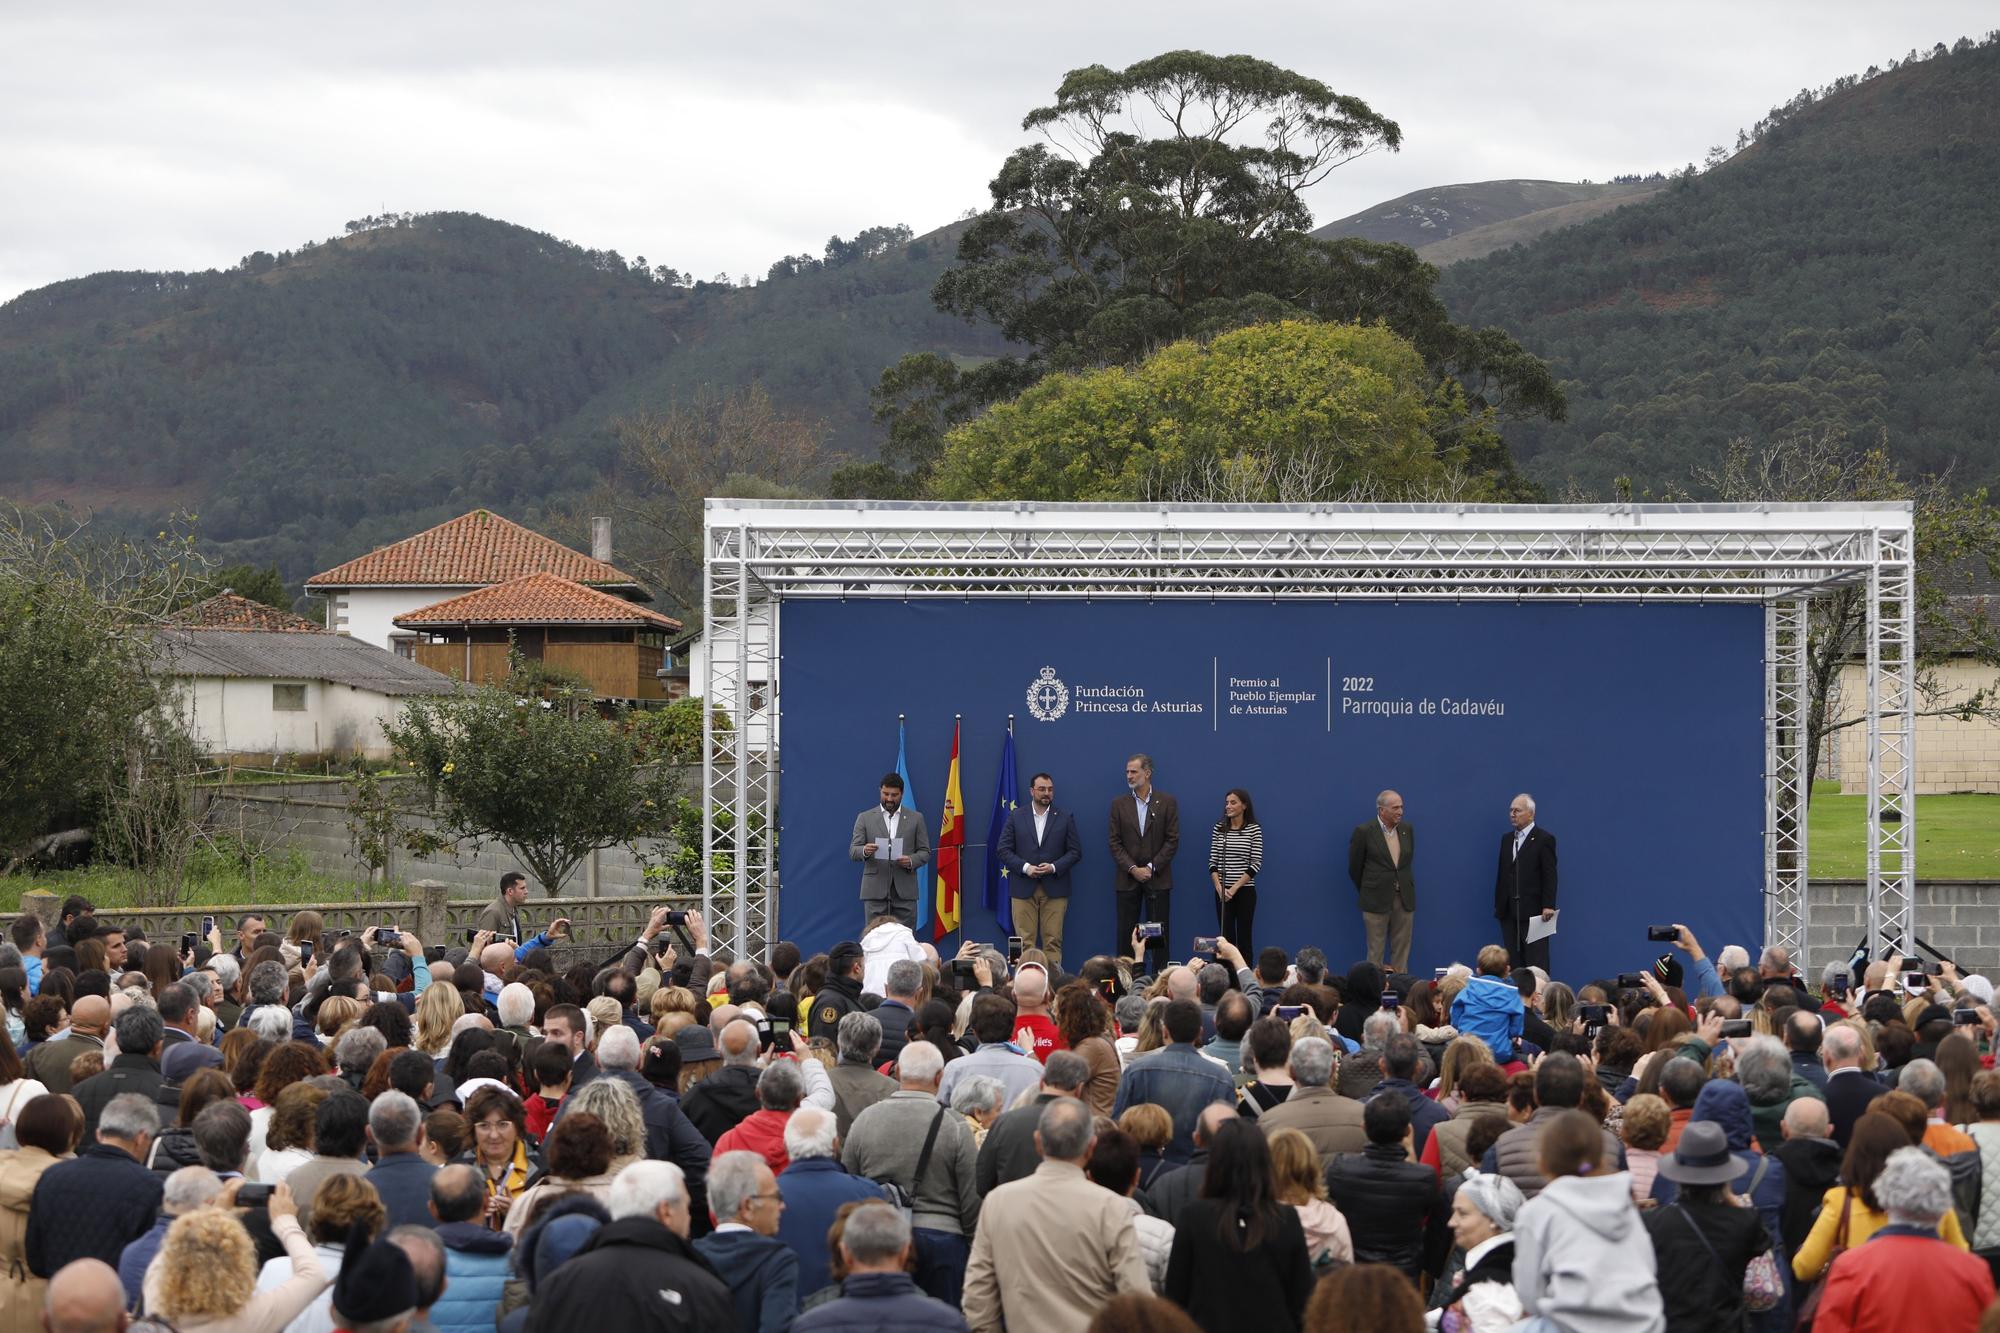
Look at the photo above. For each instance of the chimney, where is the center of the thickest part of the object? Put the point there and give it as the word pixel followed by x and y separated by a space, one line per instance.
pixel 600 539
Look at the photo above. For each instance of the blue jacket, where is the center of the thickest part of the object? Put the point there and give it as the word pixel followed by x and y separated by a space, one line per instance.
pixel 1490 1009
pixel 1706 982
pixel 403 1179
pixel 90 1207
pixel 813 1190
pixel 1728 1105
pixel 763 1277
pixel 1059 846
pixel 477 1264
pixel 33 967
pixel 132 1264
pixel 889 1302
pixel 1182 1081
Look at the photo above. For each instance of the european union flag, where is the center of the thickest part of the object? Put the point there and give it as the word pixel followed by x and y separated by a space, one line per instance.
pixel 999 896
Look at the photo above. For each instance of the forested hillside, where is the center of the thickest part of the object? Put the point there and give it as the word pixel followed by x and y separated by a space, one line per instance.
pixel 1835 274
pixel 312 404
pixel 1423 218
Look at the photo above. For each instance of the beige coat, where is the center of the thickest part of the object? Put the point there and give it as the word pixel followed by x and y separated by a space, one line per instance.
pixel 20 1291
pixel 1331 1121
pixel 1049 1251
pixel 266 1311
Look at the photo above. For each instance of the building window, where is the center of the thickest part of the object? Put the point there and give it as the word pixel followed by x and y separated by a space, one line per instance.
pixel 288 698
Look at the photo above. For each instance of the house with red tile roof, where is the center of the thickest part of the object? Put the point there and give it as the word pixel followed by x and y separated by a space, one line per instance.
pixel 475 550
pixel 615 645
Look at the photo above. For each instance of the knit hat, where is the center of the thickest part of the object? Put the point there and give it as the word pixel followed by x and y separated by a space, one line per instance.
pixel 376 1280
pixel 1667 969
pixel 1979 988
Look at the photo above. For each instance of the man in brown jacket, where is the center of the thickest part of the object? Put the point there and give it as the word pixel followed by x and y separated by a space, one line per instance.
pixel 1145 834
pixel 1054 1247
pixel 1331 1121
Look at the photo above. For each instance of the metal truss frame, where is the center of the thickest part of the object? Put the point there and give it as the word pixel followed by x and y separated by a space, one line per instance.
pixel 1782 556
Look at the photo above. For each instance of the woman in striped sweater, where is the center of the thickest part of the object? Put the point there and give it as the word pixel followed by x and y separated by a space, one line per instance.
pixel 1235 855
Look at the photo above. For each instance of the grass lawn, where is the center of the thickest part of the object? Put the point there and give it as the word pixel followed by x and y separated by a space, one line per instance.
pixel 213 879
pixel 1958 837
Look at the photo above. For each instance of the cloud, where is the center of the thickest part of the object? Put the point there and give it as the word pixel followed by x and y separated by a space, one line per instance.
pixel 717 137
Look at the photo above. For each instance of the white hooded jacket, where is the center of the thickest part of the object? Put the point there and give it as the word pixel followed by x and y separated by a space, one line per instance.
pixel 890 942
pixel 1583 1258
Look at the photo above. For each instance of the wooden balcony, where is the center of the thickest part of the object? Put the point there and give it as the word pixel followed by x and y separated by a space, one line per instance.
pixel 613 670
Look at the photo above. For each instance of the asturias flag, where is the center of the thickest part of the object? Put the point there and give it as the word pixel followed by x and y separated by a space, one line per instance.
pixel 999 897
pixel 909 797
pixel 950 846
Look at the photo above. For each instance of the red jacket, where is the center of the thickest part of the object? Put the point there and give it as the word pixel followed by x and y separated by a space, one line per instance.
pixel 1897 1281
pixel 541 1114
pixel 761 1132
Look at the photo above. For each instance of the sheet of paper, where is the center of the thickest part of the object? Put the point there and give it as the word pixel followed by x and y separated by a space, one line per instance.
pixel 881 849
pixel 895 849
pixel 1541 928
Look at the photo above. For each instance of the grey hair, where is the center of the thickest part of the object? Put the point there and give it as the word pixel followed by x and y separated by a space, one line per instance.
pixel 1382 797
pixel 190 1187
pixel 978 1093
pixel 1128 1011
pixel 1496 1196
pixel 1732 957
pixel 1145 761
pixel 272 1022
pixel 811 1132
pixel 780 1087
pixel 1841 1043
pixel 920 1062
pixel 127 1116
pixel 1213 981
pixel 227 970
pixel 752 1045
pixel 1773 957
pixel 860 1036
pixel 1764 1068
pixel 1913 1187
pixel 640 1189
pixel 1834 969
pixel 904 978
pixel 139 1030
pixel 1066 1128
pixel 1923 1080
pixel 618 1049
pixel 267 983
pixel 1378 1027
pixel 516 1004
pixel 611 1101
pixel 1528 801
pixel 732 1182
pixel 358 1049
pixel 1066 1070
pixel 395 1119
pixel 1311 1062
pixel 875 1233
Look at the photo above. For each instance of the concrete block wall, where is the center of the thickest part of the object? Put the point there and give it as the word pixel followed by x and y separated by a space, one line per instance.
pixel 1961 917
pixel 1951 755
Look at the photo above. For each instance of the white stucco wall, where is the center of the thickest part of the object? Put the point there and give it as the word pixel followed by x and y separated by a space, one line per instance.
pixel 369 614
pixel 234 715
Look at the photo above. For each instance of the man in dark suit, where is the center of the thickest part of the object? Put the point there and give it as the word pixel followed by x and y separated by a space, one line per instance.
pixel 1381 860
pixel 1038 847
pixel 1145 834
pixel 1850 1089
pixel 889 882
pixel 1525 887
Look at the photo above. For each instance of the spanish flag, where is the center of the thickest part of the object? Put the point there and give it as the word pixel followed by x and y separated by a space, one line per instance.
pixel 950 843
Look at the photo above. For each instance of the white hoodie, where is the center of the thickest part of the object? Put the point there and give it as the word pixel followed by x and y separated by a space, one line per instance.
pixel 1583 1259
pixel 890 942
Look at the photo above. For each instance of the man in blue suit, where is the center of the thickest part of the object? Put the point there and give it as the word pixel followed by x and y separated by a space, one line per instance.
pixel 1039 846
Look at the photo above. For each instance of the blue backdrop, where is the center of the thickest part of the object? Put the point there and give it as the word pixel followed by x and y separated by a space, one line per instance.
pixel 1637 728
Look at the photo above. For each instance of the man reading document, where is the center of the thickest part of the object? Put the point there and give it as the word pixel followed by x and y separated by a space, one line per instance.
pixel 890 842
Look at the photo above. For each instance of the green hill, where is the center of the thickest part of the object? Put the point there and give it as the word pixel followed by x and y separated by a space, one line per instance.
pixel 313 404
pixel 1425 220
pixel 1837 274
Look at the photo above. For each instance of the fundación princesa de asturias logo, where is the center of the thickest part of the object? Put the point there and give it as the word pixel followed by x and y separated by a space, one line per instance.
pixel 1048 697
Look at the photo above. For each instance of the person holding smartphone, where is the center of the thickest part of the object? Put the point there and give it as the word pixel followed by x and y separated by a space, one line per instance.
pixel 1235 856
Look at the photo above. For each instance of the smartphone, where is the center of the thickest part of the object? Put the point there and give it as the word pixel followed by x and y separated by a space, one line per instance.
pixel 1391 1000
pixel 1014 944
pixel 1965 1018
pixel 1439 973
pixel 1736 1027
pixel 1667 933
pixel 1287 1012
pixel 1630 980
pixel 187 941
pixel 1595 1015
pixel 1916 980
pixel 305 951
pixel 1205 944
pixel 963 973
pixel 1838 986
pixel 388 937
pixel 207 926
pixel 1150 930
pixel 250 1195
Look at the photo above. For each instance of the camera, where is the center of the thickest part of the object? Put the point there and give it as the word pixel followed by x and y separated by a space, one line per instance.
pixel 1666 933
pixel 1595 1015
pixel 1150 930
pixel 677 918
pixel 252 1196
pixel 1205 943
pixel 1965 1018
pixel 1736 1027
pixel 1287 1012
pixel 1631 980
pixel 388 937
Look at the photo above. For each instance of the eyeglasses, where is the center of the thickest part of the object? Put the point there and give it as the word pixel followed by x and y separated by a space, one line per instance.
pixel 493 1126
pixel 773 1197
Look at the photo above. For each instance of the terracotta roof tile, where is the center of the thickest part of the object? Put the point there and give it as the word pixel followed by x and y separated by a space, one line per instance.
pixel 227 611
pixel 536 599
pixel 477 549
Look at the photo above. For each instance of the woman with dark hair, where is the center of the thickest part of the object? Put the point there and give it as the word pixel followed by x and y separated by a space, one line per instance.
pixel 243 1057
pixel 48 1128
pixel 293 1062
pixel 1849 1213
pixel 1361 995
pixel 1958 1060
pixel 16 1090
pixel 14 998
pixel 174 1148
pixel 43 1015
pixel 1239 1259
pixel 1365 1298
pixel 499 1128
pixel 457 1065
pixel 161 967
pixel 578 1154
pixel 1235 855
pixel 390 1019
pixel 936 1021
pixel 1084 1020
pixel 92 956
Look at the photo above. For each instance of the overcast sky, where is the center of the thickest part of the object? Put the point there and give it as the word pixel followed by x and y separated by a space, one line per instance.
pixel 717 137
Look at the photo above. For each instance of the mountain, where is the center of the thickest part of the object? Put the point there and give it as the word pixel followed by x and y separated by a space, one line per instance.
pixel 313 404
pixel 1834 275
pixel 1451 222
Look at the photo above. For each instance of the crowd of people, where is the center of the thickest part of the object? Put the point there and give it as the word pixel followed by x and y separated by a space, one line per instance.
pixel 306 1130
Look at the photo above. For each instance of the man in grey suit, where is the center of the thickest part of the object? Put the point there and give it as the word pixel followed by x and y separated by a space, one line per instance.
pixel 1381 860
pixel 889 884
